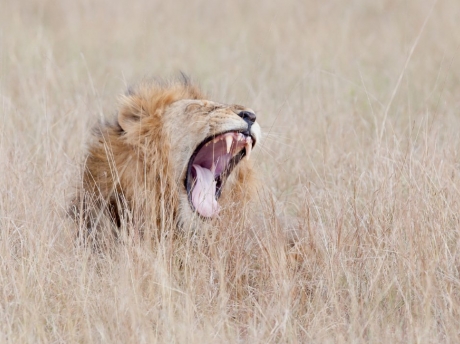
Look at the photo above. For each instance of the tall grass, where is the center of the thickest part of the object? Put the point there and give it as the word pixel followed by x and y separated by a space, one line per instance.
pixel 355 235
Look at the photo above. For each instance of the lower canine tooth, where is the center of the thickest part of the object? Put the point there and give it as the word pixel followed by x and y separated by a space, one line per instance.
pixel 229 141
pixel 248 150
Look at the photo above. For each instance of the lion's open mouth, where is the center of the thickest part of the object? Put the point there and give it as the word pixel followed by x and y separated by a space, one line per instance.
pixel 210 165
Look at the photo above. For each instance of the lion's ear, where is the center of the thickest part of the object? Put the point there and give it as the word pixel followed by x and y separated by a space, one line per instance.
pixel 130 113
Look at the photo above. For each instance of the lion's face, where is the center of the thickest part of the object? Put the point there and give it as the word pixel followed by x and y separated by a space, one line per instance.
pixel 211 143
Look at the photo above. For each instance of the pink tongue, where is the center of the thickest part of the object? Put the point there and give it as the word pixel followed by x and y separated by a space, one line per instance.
pixel 203 194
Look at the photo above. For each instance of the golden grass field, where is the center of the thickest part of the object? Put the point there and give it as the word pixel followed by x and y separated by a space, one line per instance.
pixel 360 105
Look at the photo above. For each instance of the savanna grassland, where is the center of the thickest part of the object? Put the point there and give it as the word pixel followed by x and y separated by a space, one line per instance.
pixel 357 237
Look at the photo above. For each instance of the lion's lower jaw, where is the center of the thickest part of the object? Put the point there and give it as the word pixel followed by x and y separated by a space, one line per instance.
pixel 188 220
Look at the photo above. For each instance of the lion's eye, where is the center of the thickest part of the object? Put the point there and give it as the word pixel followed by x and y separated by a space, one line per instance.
pixel 192 107
pixel 203 110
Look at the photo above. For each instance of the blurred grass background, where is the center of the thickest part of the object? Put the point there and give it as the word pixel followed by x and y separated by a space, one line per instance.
pixel 359 101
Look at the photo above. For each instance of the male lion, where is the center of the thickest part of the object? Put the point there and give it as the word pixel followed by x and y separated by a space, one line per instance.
pixel 171 158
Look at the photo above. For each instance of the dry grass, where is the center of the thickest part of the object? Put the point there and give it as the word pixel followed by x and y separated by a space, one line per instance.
pixel 360 104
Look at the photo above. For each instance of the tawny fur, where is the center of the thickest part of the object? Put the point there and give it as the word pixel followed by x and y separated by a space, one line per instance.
pixel 135 167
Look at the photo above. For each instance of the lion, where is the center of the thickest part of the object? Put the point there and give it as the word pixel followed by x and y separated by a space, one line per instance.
pixel 170 158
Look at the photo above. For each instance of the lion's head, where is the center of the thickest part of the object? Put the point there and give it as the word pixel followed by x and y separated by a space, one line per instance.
pixel 170 157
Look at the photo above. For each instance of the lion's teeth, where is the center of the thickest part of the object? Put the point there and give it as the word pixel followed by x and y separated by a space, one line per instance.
pixel 248 150
pixel 229 141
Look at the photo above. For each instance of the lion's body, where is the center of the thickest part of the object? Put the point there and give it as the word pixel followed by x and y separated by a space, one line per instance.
pixel 136 164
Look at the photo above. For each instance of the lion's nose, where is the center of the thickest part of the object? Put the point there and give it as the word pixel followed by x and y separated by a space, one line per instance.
pixel 248 116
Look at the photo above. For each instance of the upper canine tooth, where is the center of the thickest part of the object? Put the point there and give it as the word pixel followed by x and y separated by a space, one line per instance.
pixel 248 150
pixel 229 141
